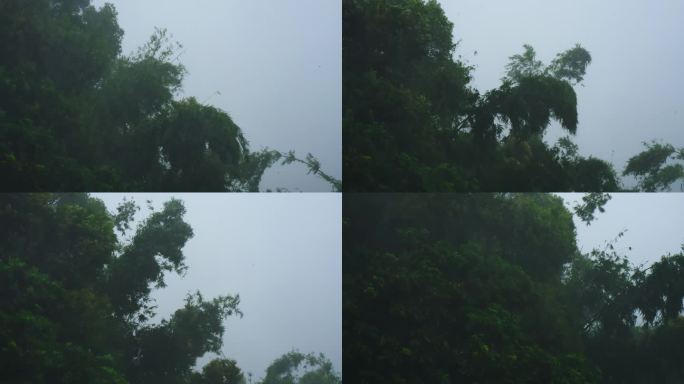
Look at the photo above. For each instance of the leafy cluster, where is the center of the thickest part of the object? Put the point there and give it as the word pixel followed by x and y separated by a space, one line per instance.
pixel 657 168
pixel 412 122
pixel 77 115
pixel 591 202
pixel 632 318
pixel 492 289
pixel 297 368
pixel 76 300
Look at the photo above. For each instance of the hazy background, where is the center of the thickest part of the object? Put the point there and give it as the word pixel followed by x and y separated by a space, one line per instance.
pixel 276 63
pixel 633 87
pixel 281 252
pixel 652 222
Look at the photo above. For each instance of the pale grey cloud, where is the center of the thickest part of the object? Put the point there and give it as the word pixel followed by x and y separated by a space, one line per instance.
pixel 281 252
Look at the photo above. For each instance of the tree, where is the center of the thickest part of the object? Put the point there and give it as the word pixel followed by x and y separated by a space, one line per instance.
pixel 613 296
pixel 75 298
pixel 491 288
pixel 459 288
pixel 316 369
pixel 412 122
pixel 220 371
pixel 590 203
pixel 79 116
pixel 650 169
pixel 168 351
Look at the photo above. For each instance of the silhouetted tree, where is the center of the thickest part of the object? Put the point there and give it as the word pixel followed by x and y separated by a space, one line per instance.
pixel 297 368
pixel 75 300
pixel 412 122
pixel 79 116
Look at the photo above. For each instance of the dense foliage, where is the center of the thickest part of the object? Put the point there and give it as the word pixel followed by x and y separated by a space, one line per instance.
pixel 413 122
pixel 75 301
pixel 481 288
pixel 76 115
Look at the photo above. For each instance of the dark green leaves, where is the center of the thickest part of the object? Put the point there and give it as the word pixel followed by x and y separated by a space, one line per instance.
pixel 649 168
pixel 663 289
pixel 297 368
pixel 200 148
pixel 590 203
pixel 220 371
pixel 155 248
pixel 168 351
pixel 75 299
pixel 125 213
pixel 412 121
pixel 650 160
pixel 538 93
pixel 570 65
pixel 458 288
pixel 492 288
pixel 524 65
pixel 529 103
pixel 52 56
pixel 79 116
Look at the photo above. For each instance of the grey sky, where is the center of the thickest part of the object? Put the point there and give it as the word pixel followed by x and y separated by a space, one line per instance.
pixel 652 221
pixel 281 252
pixel 633 87
pixel 277 65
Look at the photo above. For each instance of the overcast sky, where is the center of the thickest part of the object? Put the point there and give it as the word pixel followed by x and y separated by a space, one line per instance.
pixel 633 87
pixel 281 252
pixel 277 65
pixel 652 222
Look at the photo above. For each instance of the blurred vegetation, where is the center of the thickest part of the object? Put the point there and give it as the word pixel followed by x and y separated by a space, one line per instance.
pixel 491 288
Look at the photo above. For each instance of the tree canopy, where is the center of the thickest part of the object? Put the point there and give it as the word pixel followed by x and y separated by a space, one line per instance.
pixel 657 168
pixel 413 122
pixel 491 288
pixel 76 299
pixel 75 305
pixel 77 115
pixel 297 368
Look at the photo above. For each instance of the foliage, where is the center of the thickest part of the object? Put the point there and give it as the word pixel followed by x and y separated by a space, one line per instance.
pixel 77 115
pixel 76 299
pixel 312 164
pixel 170 349
pixel 297 368
pixel 650 169
pixel 412 121
pixel 590 203
pixel 220 371
pixel 458 288
pixel 491 288
pixel 627 313
pixel 570 65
